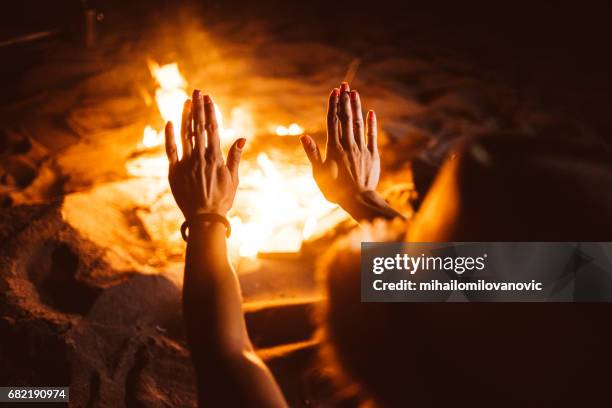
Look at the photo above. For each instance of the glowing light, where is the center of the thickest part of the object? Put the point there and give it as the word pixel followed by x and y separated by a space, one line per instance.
pixel 151 137
pixel 292 130
pixel 277 205
pixel 170 97
pixel 309 227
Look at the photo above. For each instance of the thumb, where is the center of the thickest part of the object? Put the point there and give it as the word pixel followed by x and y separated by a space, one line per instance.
pixel 233 158
pixel 312 150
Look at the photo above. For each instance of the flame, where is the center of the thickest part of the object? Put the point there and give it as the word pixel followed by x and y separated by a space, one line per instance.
pixel 170 97
pixel 151 137
pixel 278 205
pixel 292 130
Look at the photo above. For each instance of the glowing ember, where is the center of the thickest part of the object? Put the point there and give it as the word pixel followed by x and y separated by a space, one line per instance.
pixel 278 204
pixel 292 130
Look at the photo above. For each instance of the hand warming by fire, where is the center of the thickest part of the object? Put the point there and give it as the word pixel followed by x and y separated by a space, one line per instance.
pixel 290 207
pixel 204 185
pixel 201 180
pixel 350 171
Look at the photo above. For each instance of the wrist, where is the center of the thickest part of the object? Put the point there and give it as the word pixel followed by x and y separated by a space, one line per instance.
pixel 205 222
pixel 354 199
pixel 368 205
pixel 204 210
pixel 204 228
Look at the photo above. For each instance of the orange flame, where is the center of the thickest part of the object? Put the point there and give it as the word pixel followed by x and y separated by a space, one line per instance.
pixel 278 205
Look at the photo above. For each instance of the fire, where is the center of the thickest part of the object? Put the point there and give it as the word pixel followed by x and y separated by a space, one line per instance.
pixel 278 205
pixel 169 97
pixel 292 130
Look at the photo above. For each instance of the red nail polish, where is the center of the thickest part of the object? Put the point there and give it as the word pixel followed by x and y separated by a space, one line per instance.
pixel 207 99
pixel 196 94
pixel 353 95
pixel 241 143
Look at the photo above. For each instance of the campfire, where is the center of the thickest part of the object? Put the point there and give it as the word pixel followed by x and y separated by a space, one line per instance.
pixel 278 205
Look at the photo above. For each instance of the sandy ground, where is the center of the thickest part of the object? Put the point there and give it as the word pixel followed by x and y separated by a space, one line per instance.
pixel 88 297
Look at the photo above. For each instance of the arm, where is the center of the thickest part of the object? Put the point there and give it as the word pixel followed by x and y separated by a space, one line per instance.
pixel 229 373
pixel 350 171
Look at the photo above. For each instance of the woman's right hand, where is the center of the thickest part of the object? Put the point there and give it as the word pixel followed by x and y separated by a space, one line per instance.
pixel 352 164
pixel 350 171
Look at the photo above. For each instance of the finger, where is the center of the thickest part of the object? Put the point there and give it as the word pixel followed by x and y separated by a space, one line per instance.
pixel 170 144
pixel 372 132
pixel 333 134
pixel 233 158
pixel 312 150
pixel 199 122
pixel 186 133
pixel 213 148
pixel 346 121
pixel 344 87
pixel 357 119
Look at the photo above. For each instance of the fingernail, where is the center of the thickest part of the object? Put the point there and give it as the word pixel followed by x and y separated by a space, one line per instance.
pixel 353 95
pixel 196 94
pixel 207 99
pixel 372 115
pixel 305 140
pixel 335 92
pixel 241 143
pixel 344 86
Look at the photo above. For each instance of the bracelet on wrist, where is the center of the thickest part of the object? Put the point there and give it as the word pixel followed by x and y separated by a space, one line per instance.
pixel 205 217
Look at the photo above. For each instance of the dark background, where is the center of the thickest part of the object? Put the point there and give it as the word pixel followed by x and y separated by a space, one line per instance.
pixel 561 48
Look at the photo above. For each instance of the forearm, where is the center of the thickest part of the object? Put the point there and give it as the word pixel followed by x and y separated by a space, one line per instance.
pixel 367 206
pixel 229 373
pixel 212 301
pixel 239 381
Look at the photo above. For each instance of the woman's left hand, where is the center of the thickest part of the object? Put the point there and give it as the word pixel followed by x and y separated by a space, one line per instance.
pixel 201 182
